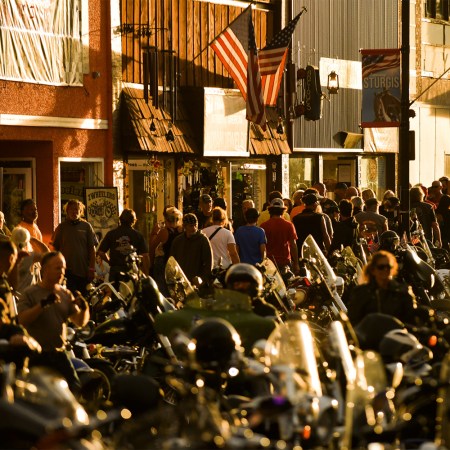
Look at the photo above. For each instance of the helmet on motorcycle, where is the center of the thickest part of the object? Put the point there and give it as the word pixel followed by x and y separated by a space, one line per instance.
pixel 389 240
pixel 245 278
pixel 401 346
pixel 216 343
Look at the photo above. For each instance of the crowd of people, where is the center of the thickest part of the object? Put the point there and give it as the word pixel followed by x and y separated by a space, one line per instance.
pixel 49 280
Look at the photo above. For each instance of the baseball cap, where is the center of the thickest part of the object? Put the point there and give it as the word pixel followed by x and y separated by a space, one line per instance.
pixel 310 199
pixel 206 198
pixel 190 219
pixel 277 203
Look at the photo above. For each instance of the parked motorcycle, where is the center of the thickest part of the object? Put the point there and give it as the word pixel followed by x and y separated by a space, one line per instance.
pixel 232 306
pixel 319 292
pixel 39 411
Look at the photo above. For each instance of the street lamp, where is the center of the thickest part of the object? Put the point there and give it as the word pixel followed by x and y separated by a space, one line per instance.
pixel 333 82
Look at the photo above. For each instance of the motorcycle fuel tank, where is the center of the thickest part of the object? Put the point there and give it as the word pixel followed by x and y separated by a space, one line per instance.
pixel 113 331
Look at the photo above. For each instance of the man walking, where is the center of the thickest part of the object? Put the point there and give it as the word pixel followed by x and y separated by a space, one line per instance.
pixel 120 242
pixel 76 240
pixel 281 236
pixel 312 222
pixel 193 251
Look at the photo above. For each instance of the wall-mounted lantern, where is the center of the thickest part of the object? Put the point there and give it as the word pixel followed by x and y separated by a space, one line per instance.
pixel 333 82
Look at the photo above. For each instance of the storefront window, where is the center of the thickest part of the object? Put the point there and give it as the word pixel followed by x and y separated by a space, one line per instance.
pixel 373 175
pixel 75 176
pixel 150 189
pixel 248 183
pixel 301 171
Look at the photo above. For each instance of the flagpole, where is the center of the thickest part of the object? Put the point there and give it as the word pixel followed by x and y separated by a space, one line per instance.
pixel 404 137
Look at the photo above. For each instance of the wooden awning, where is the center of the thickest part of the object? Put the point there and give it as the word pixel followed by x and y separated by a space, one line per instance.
pixel 141 115
pixel 268 142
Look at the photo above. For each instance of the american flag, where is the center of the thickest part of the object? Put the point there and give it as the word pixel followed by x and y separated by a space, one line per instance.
pixel 236 48
pixel 372 63
pixel 272 60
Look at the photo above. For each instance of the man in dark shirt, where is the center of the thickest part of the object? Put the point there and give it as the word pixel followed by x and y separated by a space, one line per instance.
pixel 193 251
pixel 120 243
pixel 311 222
pixel 76 240
pixel 346 230
pixel 426 216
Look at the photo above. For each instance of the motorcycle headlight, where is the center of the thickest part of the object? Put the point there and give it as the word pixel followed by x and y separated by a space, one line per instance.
pixel 299 296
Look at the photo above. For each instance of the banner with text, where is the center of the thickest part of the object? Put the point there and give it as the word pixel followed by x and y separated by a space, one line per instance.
pixel 381 88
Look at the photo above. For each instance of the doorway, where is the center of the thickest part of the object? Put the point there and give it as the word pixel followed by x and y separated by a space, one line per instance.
pixel 17 184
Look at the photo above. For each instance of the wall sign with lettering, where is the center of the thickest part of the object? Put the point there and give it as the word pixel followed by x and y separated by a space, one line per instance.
pixel 102 209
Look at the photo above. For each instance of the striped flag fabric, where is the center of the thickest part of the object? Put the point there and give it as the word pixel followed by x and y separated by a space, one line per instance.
pixel 376 63
pixel 236 48
pixel 272 60
pixel 256 112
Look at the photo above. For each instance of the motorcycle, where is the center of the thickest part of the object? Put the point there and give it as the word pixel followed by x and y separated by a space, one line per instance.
pixel 39 411
pixel 128 343
pixel 232 306
pixel 275 289
pixel 291 355
pixel 200 418
pixel 319 292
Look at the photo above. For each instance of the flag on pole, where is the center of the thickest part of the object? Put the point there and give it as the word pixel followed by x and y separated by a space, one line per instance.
pixel 236 48
pixel 256 112
pixel 272 60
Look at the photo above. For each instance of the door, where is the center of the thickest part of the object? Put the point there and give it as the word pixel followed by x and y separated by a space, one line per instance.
pixel 16 186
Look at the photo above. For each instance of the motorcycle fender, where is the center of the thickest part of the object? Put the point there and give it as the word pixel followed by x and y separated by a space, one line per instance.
pixel 21 418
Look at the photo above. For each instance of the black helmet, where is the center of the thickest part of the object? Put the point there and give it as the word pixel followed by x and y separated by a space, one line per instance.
pixel 389 240
pixel 217 343
pixel 245 272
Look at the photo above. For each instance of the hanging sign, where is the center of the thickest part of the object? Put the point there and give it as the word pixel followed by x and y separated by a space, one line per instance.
pixel 381 88
pixel 102 209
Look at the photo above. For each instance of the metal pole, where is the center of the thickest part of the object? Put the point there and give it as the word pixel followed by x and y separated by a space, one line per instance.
pixel 403 154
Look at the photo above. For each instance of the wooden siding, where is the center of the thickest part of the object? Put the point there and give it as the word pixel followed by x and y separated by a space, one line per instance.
pixel 186 28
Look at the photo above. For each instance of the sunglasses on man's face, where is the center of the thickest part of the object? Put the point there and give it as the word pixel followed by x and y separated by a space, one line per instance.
pixel 383 266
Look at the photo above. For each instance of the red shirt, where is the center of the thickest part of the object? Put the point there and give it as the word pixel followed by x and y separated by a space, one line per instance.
pixel 279 233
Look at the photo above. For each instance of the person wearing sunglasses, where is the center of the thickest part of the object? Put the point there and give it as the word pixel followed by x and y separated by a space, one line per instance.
pixel 381 293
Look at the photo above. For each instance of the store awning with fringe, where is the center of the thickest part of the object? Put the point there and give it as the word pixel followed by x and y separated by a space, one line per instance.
pixel 268 142
pixel 150 129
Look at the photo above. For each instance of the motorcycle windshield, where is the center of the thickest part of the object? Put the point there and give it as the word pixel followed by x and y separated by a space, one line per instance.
pixel 322 269
pixel 178 284
pixel 312 252
pixel 291 344
pixel 275 277
pixel 348 254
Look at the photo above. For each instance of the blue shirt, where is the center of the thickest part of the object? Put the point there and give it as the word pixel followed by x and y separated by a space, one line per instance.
pixel 249 239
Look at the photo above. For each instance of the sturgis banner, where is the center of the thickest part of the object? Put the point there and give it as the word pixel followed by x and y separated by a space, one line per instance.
pixel 41 41
pixel 381 91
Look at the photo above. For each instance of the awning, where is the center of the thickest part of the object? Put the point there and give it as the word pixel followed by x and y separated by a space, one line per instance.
pixel 268 142
pixel 143 136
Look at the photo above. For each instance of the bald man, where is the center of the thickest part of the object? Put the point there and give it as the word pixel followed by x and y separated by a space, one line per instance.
pixel 351 192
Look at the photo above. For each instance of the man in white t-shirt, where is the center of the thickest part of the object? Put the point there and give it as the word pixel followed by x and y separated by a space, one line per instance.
pixel 222 240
